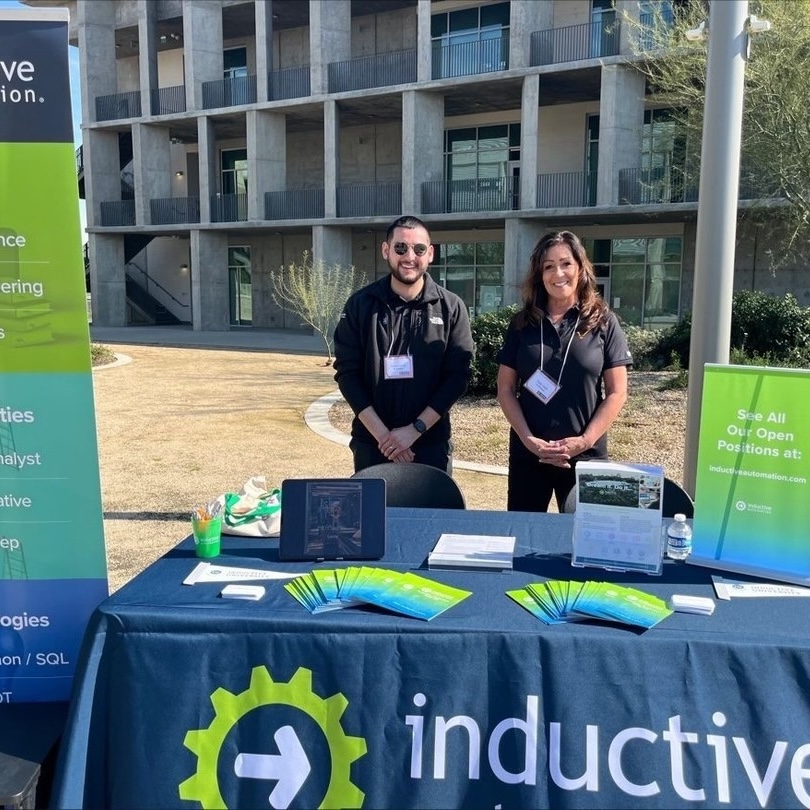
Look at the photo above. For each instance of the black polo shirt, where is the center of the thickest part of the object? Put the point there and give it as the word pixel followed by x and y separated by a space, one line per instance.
pixel 580 378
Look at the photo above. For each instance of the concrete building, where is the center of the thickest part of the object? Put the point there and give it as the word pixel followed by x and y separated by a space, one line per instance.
pixel 221 140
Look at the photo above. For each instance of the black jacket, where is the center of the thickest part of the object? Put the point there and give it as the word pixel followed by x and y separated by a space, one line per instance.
pixel 434 329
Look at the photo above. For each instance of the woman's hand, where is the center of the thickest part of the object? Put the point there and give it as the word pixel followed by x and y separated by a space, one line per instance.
pixel 554 452
pixel 575 445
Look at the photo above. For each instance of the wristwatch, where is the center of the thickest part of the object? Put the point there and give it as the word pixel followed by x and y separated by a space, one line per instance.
pixel 420 426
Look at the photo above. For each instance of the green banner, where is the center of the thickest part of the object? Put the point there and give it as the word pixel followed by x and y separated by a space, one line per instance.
pixel 53 569
pixel 752 498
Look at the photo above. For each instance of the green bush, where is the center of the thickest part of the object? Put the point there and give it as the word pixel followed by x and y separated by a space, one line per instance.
pixel 488 331
pixel 643 345
pixel 768 326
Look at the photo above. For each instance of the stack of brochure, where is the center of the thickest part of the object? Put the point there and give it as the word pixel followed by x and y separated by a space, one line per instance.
pixel 406 593
pixel 481 551
pixel 557 601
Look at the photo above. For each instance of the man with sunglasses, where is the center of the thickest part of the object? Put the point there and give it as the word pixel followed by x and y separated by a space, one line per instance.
pixel 403 350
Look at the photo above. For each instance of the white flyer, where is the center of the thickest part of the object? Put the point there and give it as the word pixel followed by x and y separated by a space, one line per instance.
pixel 211 572
pixel 733 588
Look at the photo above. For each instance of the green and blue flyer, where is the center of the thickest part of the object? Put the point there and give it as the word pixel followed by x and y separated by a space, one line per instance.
pixel 752 498
pixel 53 569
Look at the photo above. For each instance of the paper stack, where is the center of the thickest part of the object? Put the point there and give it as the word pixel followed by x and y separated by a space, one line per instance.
pixel 483 552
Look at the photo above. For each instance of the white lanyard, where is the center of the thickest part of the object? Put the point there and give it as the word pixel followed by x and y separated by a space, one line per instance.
pixel 541 384
pixel 567 348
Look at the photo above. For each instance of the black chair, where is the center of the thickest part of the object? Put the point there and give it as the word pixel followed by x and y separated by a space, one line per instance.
pixel 416 485
pixel 676 499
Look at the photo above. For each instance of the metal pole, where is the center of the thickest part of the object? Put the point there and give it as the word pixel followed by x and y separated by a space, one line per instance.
pixel 717 209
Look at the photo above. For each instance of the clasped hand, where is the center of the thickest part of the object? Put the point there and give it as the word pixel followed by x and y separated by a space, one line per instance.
pixel 557 452
pixel 396 444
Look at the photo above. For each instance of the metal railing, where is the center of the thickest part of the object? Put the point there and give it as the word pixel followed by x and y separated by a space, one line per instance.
pixel 566 190
pixel 645 186
pixel 119 105
pixel 470 58
pixel 153 281
pixel 168 100
pixel 288 83
pixel 296 203
pixel 381 70
pixel 369 200
pixel 483 194
pixel 174 210
pixel 229 208
pixel 571 43
pixel 117 213
pixel 229 92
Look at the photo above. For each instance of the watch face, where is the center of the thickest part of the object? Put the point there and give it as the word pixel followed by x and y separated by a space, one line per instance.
pixel 420 426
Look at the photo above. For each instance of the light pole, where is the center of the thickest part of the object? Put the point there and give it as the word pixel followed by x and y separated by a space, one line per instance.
pixel 717 209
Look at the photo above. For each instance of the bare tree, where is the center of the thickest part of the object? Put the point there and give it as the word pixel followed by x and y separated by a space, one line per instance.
pixel 316 292
pixel 775 163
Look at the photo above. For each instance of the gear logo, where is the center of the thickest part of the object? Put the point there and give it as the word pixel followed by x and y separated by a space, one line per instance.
pixel 290 768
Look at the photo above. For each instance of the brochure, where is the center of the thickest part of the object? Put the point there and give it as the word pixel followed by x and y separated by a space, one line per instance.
pixel 617 522
pixel 406 593
pixel 211 572
pixel 485 552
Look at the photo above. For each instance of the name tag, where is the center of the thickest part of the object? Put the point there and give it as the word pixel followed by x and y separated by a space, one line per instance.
pixel 542 386
pixel 398 367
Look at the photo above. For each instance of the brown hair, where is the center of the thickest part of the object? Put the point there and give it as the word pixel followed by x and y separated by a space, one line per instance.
pixel 592 309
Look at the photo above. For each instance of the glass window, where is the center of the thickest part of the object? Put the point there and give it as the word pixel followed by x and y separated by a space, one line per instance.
pixel 473 271
pixel 240 288
pixel 235 62
pixel 234 171
pixel 470 40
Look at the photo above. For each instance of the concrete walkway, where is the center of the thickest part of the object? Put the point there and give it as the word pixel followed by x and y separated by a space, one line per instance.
pixel 248 339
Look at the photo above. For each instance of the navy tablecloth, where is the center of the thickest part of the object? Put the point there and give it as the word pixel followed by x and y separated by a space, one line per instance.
pixel 179 691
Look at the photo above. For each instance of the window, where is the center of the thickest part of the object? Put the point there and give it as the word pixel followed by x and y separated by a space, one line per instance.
pixel 235 63
pixel 640 277
pixel 604 30
pixel 663 158
pixel 473 271
pixel 240 292
pixel 470 40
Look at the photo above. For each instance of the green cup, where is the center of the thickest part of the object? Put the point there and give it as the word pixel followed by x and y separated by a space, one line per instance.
pixel 207 536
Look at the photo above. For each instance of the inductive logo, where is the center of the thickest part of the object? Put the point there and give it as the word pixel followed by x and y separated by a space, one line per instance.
pixel 741 506
pixel 285 772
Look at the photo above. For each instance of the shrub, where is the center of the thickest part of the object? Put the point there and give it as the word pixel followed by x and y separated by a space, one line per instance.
pixel 488 331
pixel 643 345
pixel 769 326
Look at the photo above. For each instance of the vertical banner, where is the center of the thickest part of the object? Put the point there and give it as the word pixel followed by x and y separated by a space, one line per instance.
pixel 53 569
pixel 752 497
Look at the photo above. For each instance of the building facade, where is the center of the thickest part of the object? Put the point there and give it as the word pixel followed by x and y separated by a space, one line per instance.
pixel 221 140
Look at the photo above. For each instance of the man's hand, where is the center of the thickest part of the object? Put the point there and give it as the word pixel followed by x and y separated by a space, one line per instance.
pixel 396 444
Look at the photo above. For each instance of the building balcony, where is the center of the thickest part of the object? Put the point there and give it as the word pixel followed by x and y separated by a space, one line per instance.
pixel 231 92
pixel 471 58
pixel 483 194
pixel 658 186
pixel 566 190
pixel 118 105
pixel 229 208
pixel 117 213
pixel 572 43
pixel 289 83
pixel 296 203
pixel 174 210
pixel 656 29
pixel 168 100
pixel 369 200
pixel 382 70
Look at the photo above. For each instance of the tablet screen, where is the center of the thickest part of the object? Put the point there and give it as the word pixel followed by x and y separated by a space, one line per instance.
pixel 332 519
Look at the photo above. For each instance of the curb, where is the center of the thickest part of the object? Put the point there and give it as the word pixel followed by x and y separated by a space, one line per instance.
pixel 317 420
pixel 120 360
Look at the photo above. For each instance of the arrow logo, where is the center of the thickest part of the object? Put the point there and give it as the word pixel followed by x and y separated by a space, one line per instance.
pixel 289 768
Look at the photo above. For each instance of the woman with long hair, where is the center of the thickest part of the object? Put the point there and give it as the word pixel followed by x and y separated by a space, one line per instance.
pixel 562 374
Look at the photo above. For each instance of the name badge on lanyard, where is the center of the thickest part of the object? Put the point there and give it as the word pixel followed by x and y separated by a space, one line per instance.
pixel 541 384
pixel 398 367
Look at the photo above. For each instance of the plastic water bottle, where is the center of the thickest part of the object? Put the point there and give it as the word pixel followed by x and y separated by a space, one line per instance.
pixel 679 538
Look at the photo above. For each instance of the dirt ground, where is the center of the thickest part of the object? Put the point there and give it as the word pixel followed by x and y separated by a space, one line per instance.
pixel 179 426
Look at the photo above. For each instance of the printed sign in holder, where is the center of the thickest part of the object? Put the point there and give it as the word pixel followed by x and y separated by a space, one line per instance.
pixel 752 504
pixel 52 561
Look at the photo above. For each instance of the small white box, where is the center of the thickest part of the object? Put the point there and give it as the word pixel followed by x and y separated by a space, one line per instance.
pixel 252 592
pixel 691 604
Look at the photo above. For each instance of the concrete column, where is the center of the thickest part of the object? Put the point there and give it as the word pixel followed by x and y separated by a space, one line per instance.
pixel 621 115
pixel 529 134
pixel 96 24
pixel 264 48
pixel 209 281
pixel 526 17
pixel 267 157
pixel 102 171
pixel 107 279
pixel 207 144
pixel 202 37
pixel 331 157
pixel 152 167
pixel 147 60
pixel 424 45
pixel 422 145
pixel 330 39
pixel 520 237
pixel 332 245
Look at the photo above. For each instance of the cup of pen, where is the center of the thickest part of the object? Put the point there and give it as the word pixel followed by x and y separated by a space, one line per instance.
pixel 207 531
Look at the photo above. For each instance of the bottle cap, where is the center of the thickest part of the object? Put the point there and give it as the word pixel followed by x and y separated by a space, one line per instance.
pixel 679 516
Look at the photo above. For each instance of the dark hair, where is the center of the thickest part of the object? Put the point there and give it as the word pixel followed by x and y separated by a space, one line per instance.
pixel 404 222
pixel 592 309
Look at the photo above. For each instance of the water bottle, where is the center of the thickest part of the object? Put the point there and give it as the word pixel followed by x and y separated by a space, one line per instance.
pixel 679 538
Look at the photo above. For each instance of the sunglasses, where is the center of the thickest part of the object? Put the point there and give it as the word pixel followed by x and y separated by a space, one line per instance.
pixel 401 248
